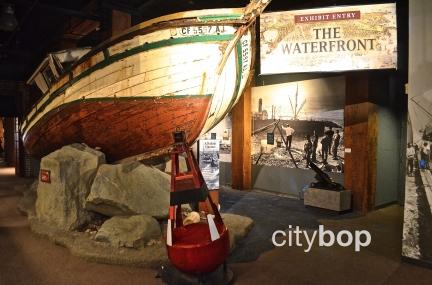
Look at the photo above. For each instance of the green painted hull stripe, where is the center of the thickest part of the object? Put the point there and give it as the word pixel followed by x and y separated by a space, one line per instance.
pixel 140 98
pixel 142 48
pixel 117 99
pixel 220 17
pixel 150 46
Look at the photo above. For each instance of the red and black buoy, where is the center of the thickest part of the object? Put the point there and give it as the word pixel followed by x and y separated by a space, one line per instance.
pixel 197 248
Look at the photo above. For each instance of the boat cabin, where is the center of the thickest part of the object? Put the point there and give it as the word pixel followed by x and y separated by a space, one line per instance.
pixel 54 65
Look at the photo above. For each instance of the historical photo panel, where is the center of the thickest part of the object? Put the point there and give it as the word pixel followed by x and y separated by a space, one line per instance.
pixel 299 122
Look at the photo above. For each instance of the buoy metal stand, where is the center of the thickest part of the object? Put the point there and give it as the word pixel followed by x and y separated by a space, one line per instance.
pixel 201 248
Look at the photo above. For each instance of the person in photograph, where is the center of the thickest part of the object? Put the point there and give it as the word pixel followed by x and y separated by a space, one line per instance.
pixel 428 152
pixel 308 150
pixel 424 156
pixel 329 133
pixel 336 142
pixel 416 156
pixel 410 153
pixel 430 156
pixel 325 143
pixel 314 146
pixel 289 132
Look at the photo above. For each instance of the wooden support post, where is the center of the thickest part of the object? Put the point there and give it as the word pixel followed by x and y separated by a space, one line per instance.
pixel 120 22
pixel 360 135
pixel 241 168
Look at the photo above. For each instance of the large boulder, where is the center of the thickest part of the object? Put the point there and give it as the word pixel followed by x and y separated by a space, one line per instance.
pixel 134 231
pixel 61 201
pixel 130 189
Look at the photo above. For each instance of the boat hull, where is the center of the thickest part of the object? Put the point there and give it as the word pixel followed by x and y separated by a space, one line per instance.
pixel 169 78
pixel 120 127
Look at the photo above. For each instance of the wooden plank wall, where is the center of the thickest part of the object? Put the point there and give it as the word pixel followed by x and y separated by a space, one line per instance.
pixel 241 167
pixel 361 135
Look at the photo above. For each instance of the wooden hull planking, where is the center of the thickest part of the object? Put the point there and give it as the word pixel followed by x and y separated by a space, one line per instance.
pixel 120 127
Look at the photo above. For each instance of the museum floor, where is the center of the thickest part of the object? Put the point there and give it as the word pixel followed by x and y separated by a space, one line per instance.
pixel 28 259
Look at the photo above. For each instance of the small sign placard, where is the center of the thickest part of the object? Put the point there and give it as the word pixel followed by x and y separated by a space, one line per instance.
pixel 45 176
pixel 209 162
pixel 213 136
pixel 270 138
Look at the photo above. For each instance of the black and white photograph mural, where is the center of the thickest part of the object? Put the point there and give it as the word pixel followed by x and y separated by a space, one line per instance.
pixel 298 122
pixel 417 232
pixel 417 237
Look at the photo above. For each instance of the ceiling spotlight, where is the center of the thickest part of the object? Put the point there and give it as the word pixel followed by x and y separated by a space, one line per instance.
pixel 8 22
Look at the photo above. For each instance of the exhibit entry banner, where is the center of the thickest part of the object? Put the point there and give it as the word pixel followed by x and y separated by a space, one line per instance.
pixel 297 122
pixel 209 162
pixel 329 39
pixel 417 231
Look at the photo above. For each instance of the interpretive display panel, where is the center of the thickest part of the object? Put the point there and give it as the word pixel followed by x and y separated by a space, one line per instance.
pixel 297 122
pixel 209 162
pixel 329 39
pixel 223 133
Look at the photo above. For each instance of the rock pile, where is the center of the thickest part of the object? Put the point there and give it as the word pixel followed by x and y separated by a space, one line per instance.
pixel 106 213
pixel 61 201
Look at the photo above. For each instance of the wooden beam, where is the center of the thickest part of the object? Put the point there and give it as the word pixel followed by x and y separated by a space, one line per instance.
pixel 120 22
pixel 361 136
pixel 241 168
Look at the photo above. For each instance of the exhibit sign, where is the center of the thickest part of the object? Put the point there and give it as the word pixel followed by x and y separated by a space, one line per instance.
pixel 329 39
pixel 270 138
pixel 209 162
pixel 45 176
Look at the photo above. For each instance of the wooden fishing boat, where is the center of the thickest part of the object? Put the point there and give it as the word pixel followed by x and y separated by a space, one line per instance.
pixel 127 96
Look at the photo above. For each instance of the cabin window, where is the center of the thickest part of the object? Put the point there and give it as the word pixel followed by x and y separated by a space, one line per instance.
pixel 48 75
